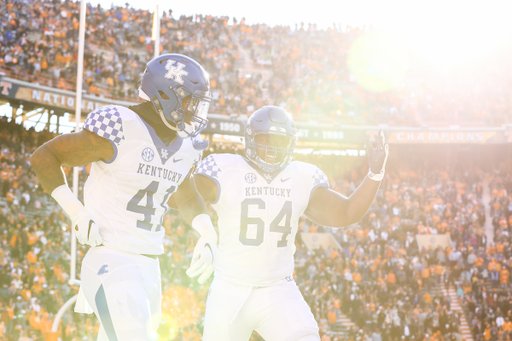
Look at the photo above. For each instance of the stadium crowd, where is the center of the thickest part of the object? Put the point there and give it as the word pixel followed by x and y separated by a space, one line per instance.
pixel 305 69
pixel 379 277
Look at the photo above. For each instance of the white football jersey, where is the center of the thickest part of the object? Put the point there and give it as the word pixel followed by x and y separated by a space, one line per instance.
pixel 127 195
pixel 258 216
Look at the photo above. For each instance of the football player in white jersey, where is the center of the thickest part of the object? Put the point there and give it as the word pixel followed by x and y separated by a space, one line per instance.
pixel 259 200
pixel 141 156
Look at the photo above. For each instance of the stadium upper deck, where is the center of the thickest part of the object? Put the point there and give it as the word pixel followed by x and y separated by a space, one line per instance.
pixel 311 72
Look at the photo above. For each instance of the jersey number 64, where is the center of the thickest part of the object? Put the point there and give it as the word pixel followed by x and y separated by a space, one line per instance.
pixel 286 211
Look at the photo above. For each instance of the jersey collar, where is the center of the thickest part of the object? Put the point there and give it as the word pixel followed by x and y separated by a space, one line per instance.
pixel 165 152
pixel 268 177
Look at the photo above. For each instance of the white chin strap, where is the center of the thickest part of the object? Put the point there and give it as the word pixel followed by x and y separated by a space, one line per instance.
pixel 167 124
pixel 188 129
pixel 181 133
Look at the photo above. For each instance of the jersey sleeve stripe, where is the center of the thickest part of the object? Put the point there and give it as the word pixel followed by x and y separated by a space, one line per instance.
pixel 113 158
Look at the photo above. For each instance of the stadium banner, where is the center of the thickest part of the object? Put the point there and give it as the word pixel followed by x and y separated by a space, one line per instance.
pixel 428 241
pixel 444 136
pixel 58 99
pixel 222 124
pixel 324 240
pixel 337 135
pixel 312 133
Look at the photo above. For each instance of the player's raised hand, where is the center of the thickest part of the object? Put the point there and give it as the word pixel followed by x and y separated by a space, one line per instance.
pixel 203 260
pixel 377 156
pixel 86 229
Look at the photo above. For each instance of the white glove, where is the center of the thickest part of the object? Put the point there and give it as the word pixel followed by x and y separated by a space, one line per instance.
pixel 86 229
pixel 203 260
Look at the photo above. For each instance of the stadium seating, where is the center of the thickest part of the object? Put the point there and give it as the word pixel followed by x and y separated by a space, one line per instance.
pixel 377 285
pixel 303 68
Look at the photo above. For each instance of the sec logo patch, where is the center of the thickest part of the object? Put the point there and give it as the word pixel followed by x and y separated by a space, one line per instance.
pixel 250 178
pixel 148 154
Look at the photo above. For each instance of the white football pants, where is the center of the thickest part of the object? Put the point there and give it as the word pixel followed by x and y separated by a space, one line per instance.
pixel 124 290
pixel 277 313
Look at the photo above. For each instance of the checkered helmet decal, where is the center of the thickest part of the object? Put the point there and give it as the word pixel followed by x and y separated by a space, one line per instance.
pixel 107 123
pixel 208 167
pixel 319 178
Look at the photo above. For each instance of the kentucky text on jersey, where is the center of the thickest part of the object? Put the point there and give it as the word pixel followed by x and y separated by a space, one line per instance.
pixel 278 192
pixel 159 172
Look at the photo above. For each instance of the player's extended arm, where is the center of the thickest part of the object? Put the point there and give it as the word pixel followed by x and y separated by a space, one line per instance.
pixel 77 149
pixel 329 208
pixel 193 208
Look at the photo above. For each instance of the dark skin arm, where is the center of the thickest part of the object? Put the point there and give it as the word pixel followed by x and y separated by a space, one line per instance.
pixel 206 187
pixel 188 200
pixel 326 207
pixel 329 208
pixel 80 149
pixel 74 150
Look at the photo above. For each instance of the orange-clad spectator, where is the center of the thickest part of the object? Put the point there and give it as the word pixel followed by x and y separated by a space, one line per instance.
pixel 492 265
pixel 507 326
pixel 500 247
pixel 504 276
pixel 31 257
pixel 391 278
pixel 425 273
pixel 427 298
pixel 331 316
pixel 487 333
pixel 491 250
pixel 337 304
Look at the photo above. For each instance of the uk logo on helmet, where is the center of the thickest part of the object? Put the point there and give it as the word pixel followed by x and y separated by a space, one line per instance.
pixel 175 72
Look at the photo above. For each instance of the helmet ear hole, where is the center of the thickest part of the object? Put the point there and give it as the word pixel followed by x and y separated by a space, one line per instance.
pixel 163 95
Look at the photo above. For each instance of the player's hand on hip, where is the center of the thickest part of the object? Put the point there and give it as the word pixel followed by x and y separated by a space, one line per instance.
pixel 203 260
pixel 377 156
pixel 86 230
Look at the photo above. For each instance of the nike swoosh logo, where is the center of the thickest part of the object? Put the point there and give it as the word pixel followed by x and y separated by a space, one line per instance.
pixel 176 160
pixel 283 180
pixel 90 225
pixel 195 82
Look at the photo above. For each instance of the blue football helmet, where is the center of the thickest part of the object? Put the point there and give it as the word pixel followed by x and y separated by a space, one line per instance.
pixel 270 121
pixel 171 80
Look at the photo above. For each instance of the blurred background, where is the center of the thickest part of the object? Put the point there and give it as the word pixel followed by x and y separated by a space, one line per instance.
pixel 432 259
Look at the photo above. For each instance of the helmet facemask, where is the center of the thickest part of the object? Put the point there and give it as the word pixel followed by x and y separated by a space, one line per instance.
pixel 188 121
pixel 270 151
